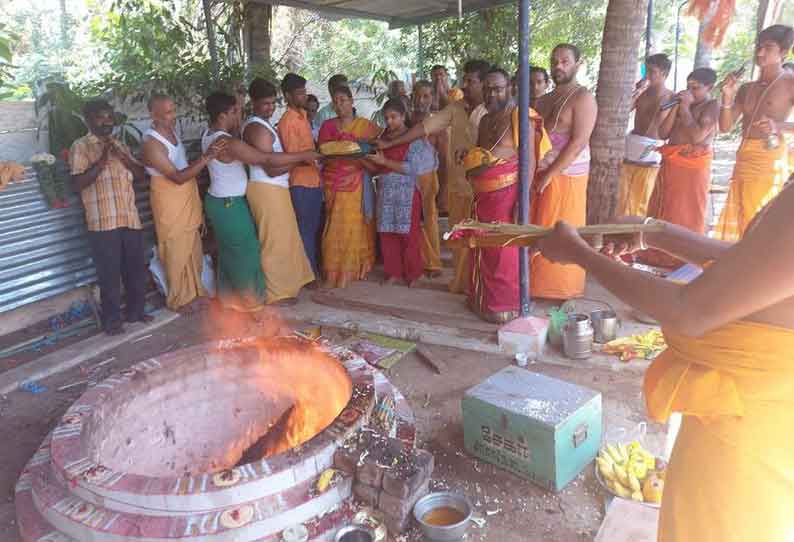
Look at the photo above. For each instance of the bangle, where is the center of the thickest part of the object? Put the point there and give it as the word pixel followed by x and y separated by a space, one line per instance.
pixel 723 106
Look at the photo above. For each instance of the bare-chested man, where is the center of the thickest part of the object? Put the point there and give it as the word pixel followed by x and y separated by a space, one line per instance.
pixel 684 178
pixel 539 83
pixel 560 186
pixel 641 161
pixel 494 293
pixel 430 183
pixel 763 106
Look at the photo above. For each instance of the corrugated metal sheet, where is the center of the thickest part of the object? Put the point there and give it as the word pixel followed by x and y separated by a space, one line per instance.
pixel 44 252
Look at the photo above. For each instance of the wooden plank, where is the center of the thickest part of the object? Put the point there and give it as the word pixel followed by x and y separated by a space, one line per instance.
pixel 431 359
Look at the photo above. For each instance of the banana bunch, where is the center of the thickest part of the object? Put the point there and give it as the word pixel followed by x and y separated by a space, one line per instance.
pixel 624 467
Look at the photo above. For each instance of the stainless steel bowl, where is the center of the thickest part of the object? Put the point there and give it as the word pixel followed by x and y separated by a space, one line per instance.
pixel 445 533
pixel 355 533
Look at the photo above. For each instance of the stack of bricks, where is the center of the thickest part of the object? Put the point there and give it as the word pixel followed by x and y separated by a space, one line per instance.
pixel 388 477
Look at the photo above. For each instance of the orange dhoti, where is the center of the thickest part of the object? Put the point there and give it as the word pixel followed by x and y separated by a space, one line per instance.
pixel 177 215
pixel 758 176
pixel 731 473
pixel 564 199
pixel 680 195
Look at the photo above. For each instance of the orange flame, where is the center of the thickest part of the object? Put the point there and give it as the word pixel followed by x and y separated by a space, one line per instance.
pixel 318 386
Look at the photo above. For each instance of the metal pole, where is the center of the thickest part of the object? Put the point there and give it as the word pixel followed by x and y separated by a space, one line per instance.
pixel 648 29
pixel 420 57
pixel 525 148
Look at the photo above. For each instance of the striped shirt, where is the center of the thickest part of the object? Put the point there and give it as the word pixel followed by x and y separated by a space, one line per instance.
pixel 109 202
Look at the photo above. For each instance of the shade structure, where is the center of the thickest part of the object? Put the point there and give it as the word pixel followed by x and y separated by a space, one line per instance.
pixel 397 14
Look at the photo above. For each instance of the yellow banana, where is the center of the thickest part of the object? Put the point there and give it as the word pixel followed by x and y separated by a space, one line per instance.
pixel 621 475
pixel 638 469
pixel 637 496
pixel 615 453
pixel 620 490
pixel 634 484
pixel 624 452
pixel 604 454
pixel 605 468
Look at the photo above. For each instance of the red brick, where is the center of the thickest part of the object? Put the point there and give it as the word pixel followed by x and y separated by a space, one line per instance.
pixel 370 473
pixel 367 495
pixel 346 459
pixel 409 474
pixel 397 513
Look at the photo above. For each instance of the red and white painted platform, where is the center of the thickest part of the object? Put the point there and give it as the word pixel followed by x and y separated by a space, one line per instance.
pixel 151 454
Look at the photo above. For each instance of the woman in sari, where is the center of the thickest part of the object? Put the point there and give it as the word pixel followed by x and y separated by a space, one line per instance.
pixel 348 243
pixel 399 200
pixel 728 369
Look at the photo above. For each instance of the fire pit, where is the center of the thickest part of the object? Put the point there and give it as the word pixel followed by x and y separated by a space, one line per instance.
pixel 220 442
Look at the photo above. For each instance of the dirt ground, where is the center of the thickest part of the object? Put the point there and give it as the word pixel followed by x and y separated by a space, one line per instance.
pixel 514 510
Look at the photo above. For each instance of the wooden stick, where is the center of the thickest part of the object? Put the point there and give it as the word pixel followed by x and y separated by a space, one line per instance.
pixel 514 235
pixel 431 359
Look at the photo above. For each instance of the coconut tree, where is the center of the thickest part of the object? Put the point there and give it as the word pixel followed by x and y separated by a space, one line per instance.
pixel 623 28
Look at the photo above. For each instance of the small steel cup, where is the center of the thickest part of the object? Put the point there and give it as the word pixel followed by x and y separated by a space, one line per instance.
pixel 605 325
pixel 443 533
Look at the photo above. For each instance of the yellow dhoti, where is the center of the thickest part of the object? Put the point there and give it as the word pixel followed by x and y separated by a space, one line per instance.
pixel 431 239
pixel 284 262
pixel 635 188
pixel 460 207
pixel 176 210
pixel 758 176
pixel 731 474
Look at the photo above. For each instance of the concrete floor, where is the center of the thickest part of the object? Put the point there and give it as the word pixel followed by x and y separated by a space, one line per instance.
pixel 514 509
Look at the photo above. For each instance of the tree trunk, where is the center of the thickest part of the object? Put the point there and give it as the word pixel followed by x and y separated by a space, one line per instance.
pixel 211 43
pixel 258 35
pixel 625 22
pixel 703 51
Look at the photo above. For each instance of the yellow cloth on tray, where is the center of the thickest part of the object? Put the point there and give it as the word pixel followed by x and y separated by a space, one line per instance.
pixel 635 189
pixel 178 218
pixel 731 474
pixel 284 262
pixel 758 176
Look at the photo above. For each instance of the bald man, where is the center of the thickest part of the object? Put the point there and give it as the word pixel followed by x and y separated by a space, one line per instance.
pixel 176 206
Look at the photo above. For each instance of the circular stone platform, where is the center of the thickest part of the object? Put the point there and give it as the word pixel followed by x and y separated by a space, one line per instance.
pixel 149 454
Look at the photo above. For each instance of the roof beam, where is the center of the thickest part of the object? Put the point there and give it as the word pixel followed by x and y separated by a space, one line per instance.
pixel 450 11
pixel 333 11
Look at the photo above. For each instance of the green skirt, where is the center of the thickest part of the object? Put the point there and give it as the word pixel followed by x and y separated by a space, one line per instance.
pixel 241 283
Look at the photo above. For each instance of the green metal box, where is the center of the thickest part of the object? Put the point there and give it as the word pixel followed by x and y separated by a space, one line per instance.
pixel 539 428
